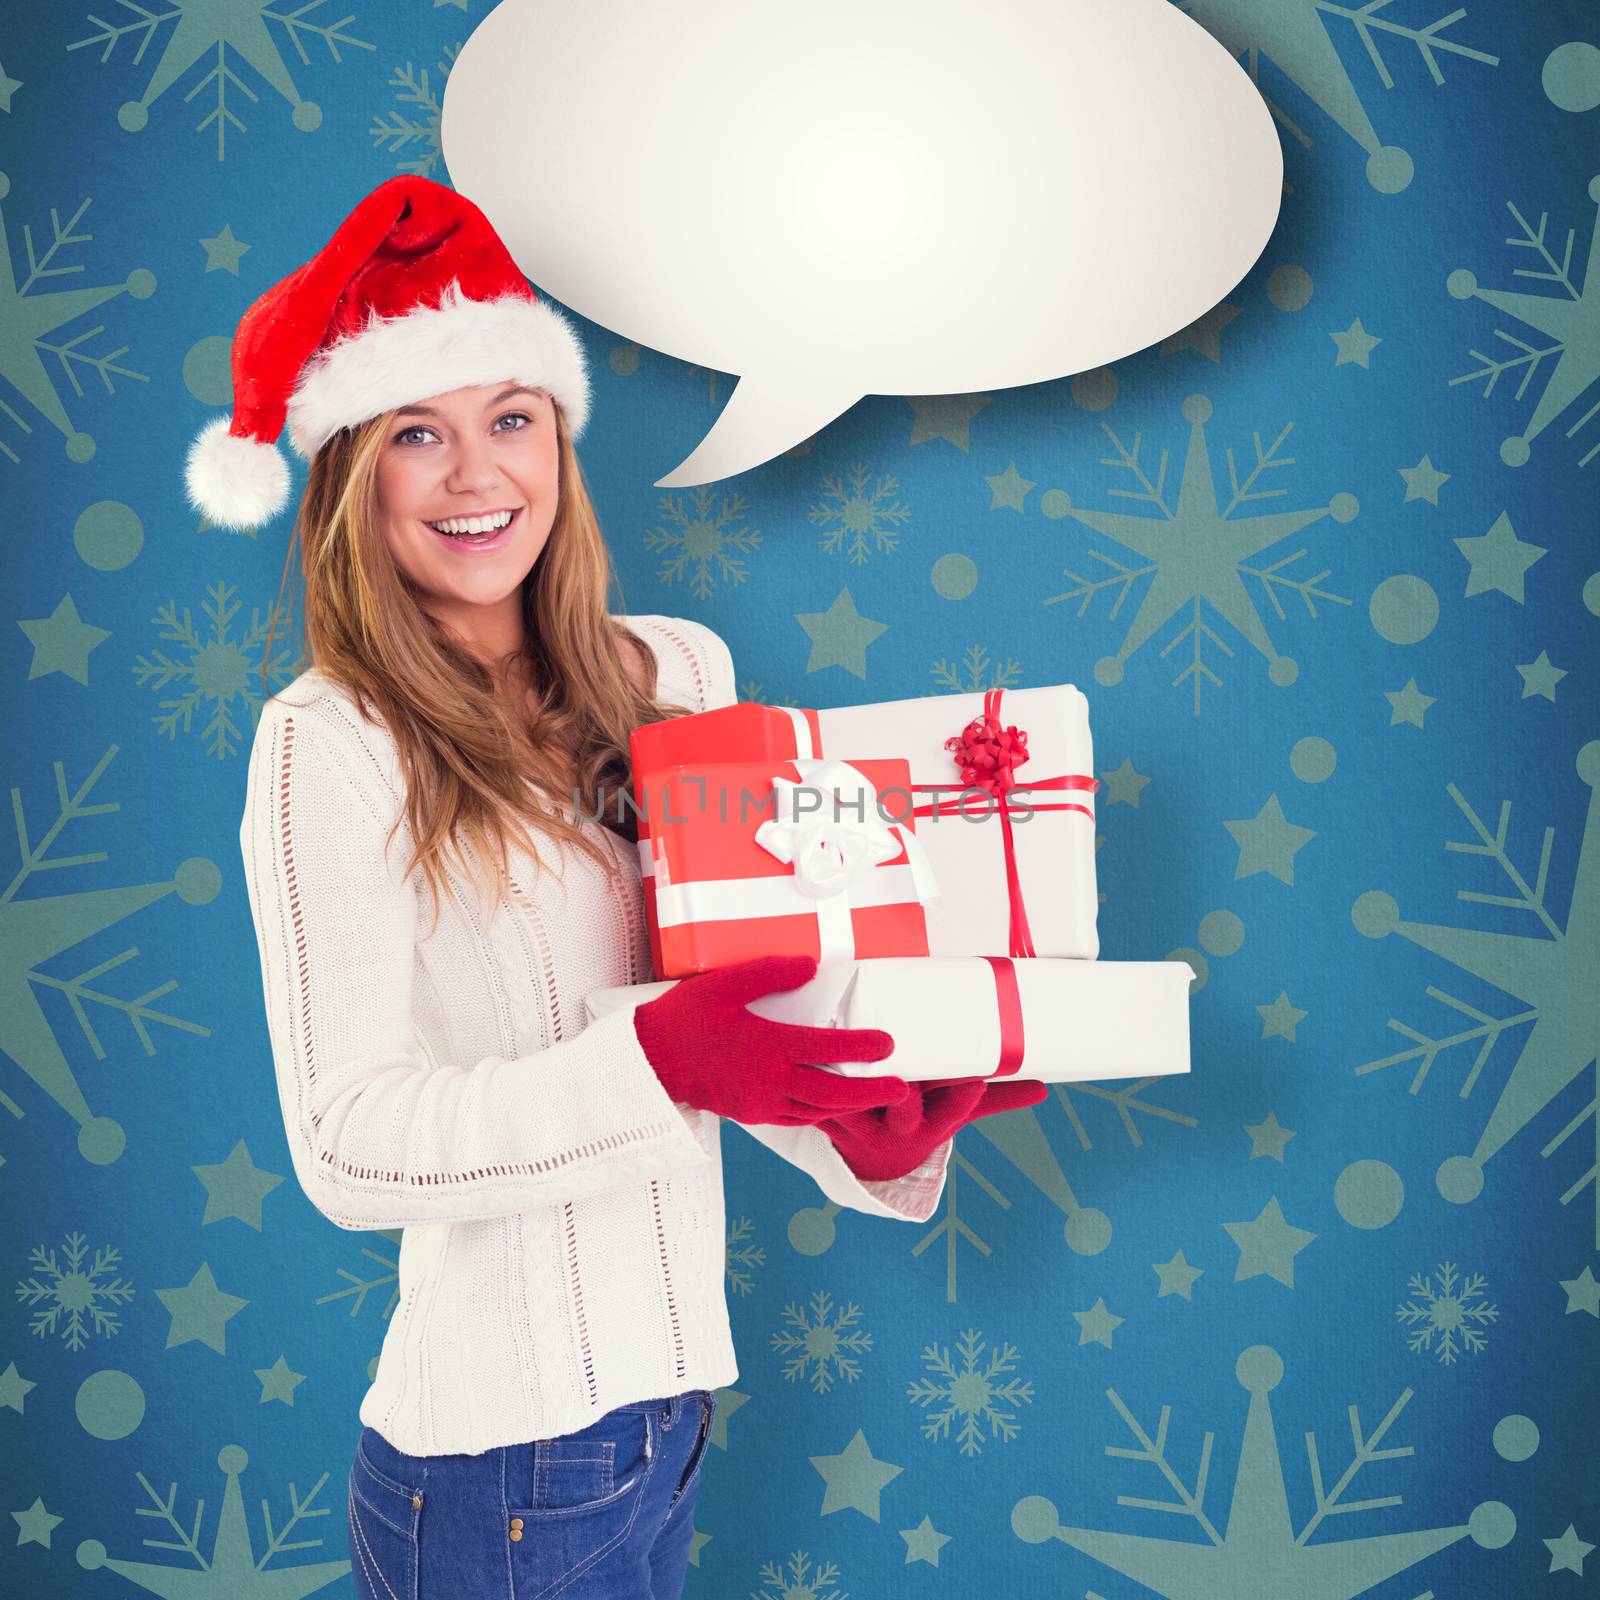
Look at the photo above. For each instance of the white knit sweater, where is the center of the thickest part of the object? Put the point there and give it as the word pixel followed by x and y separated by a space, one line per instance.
pixel 563 1250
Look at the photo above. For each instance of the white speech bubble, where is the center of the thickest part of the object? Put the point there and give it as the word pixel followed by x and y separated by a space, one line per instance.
pixel 837 198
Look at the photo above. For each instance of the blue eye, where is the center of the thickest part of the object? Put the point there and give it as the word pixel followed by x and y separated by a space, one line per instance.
pixel 422 427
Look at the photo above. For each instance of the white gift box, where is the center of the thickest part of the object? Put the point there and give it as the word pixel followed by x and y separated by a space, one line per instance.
pixel 1054 845
pixel 954 1016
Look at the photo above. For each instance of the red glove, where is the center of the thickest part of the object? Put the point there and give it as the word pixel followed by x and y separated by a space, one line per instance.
pixel 889 1142
pixel 709 1052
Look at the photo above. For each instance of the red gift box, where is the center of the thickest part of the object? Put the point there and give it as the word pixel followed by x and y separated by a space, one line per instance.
pixel 808 857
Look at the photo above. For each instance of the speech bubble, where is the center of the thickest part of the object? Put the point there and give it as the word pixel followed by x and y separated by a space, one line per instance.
pixel 838 198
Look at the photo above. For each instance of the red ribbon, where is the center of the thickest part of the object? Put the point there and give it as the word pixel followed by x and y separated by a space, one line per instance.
pixel 988 755
pixel 1008 1006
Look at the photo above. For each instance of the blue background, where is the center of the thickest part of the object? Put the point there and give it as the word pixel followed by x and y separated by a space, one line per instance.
pixel 108 1402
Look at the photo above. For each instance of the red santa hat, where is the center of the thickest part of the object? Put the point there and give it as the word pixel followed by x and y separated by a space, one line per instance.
pixel 413 296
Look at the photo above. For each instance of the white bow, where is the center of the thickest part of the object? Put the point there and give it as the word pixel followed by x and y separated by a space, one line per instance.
pixel 840 837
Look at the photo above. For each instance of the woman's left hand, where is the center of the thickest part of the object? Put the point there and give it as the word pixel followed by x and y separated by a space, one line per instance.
pixel 882 1142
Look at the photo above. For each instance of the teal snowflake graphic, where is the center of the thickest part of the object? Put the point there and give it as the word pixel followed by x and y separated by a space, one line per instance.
pixel 1020 1137
pixel 1566 322
pixel 30 317
pixel 742 1256
pixel 1446 1313
pixel 704 546
pixel 34 930
pixel 974 1396
pixel 975 672
pixel 212 673
pixel 360 1286
pixel 210 28
pixel 75 1292
pixel 1295 39
pixel 233 1571
pixel 856 520
pixel 1197 553
pixel 802 1581
pixel 1259 1552
pixel 824 1348
pixel 1552 975
pixel 415 127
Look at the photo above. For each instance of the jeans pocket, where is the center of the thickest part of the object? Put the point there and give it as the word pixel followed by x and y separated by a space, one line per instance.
pixel 594 1469
pixel 385 1513
pixel 586 1488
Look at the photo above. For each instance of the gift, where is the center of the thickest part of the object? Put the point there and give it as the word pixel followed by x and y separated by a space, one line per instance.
pixel 802 857
pixel 1003 802
pixel 1057 1020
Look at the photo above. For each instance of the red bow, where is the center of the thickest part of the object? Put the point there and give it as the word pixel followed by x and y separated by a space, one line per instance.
pixel 988 755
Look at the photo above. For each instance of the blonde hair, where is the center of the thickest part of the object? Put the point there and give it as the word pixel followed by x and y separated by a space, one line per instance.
pixel 469 752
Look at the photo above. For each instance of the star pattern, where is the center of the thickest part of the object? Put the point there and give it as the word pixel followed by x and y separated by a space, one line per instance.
pixel 1176 1276
pixel 1097 1324
pixel 1268 842
pixel 1268 1245
pixel 1280 1019
pixel 1423 481
pixel 855 1479
pixel 1408 704
pixel 1499 560
pixel 1540 677
pixel 1268 1138
pixel 839 636
pixel 62 641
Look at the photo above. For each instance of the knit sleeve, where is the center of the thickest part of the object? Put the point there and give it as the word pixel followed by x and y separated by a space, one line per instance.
pixel 911 1197
pixel 382 1133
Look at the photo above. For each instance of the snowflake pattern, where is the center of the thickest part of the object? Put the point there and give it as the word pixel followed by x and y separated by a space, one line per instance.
pixel 42 926
pixel 856 520
pixel 1021 1140
pixel 822 1347
pixel 973 1396
pixel 1296 41
pixel 1258 1549
pixel 205 28
pixel 24 351
pixel 1560 320
pixel 1446 1313
pixel 384 1275
pixel 75 1293
pixel 414 125
pixel 1551 973
pixel 975 673
pixel 232 1567
pixel 742 1256
pixel 703 546
pixel 1197 554
pixel 800 1581
pixel 212 672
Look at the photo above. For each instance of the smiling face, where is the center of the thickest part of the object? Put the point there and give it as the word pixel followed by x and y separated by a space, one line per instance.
pixel 461 461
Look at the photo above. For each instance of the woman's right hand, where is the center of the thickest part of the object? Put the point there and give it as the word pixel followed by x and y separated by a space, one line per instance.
pixel 711 1053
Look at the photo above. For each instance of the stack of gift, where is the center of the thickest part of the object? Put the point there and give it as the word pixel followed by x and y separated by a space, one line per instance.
pixel 947 893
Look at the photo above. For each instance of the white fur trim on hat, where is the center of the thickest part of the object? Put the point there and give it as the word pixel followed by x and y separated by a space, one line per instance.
pixel 457 344
pixel 239 483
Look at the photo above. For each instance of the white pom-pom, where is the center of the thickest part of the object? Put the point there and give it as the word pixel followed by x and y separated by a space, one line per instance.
pixel 239 483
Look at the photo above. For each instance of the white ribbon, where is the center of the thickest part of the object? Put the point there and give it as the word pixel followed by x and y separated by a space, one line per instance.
pixel 837 838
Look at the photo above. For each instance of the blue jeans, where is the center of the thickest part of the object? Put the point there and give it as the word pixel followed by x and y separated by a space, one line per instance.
pixel 605 1513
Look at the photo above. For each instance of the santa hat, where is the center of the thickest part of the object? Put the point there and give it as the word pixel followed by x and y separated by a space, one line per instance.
pixel 415 295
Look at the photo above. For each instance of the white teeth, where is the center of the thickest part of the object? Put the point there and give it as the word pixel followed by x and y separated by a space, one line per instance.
pixel 473 524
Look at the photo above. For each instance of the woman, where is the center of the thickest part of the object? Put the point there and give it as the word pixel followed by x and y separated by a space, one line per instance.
pixel 545 1390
